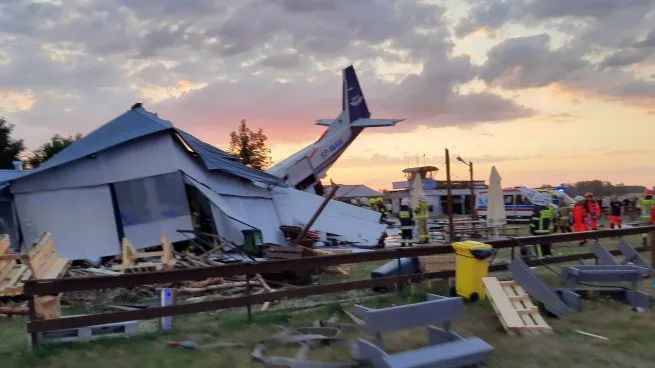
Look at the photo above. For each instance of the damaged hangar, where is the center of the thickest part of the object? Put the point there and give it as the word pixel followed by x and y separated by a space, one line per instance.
pixel 139 177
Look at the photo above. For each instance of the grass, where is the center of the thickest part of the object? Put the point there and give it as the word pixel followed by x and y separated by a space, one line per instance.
pixel 630 334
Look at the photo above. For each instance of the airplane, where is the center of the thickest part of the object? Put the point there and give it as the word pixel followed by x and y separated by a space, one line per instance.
pixel 305 168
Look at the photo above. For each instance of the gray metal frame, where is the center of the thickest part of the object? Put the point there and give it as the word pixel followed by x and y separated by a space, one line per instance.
pixel 631 255
pixel 612 273
pixel 558 302
pixel 603 256
pixel 562 301
pixel 446 348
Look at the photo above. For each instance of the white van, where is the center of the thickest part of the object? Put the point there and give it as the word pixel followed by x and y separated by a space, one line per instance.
pixel 518 207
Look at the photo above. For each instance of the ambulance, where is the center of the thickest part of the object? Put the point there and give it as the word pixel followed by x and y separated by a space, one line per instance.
pixel 518 207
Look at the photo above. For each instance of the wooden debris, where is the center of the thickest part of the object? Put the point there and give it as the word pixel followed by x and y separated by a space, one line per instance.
pixel 514 308
pixel 592 335
pixel 343 269
pixel 13 310
pixel 41 262
pixel 273 252
pixel 129 257
pixel 437 263
pixel 48 307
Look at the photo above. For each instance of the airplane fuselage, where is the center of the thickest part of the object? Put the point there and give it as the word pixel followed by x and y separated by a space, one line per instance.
pixel 329 148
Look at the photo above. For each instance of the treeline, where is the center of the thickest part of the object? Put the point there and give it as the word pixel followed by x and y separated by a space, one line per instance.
pixel 601 188
pixel 12 149
pixel 250 147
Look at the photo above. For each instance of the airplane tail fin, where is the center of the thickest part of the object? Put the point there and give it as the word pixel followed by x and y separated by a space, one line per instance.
pixel 353 106
pixel 353 101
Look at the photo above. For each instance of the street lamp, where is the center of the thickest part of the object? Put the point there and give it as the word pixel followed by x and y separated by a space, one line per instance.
pixel 472 201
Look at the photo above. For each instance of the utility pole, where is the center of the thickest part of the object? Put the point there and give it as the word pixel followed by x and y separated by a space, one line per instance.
pixel 449 200
pixel 474 218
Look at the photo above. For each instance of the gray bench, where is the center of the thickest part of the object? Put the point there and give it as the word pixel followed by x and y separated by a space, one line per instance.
pixel 446 348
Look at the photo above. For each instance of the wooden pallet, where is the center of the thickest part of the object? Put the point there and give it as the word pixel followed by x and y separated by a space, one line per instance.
pixel 514 308
pixel 129 257
pixel 41 262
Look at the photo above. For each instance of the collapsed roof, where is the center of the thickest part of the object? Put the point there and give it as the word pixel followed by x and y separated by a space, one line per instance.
pixel 138 123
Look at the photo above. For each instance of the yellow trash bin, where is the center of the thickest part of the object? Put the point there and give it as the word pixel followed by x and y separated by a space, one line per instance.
pixel 471 265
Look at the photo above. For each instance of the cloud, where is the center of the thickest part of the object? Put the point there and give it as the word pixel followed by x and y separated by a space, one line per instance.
pixel 625 58
pixel 282 61
pixel 629 152
pixel 527 62
pixel 495 14
pixel 598 48
pixel 530 62
pixel 207 64
pixel 647 42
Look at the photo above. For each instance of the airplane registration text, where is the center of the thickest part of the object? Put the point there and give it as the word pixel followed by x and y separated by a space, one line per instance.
pixel 333 147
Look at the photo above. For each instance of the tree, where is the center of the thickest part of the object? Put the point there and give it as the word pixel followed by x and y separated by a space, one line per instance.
pixel 602 188
pixel 56 144
pixel 10 148
pixel 250 147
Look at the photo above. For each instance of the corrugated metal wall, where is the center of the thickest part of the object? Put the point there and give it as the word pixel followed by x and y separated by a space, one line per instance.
pixel 81 220
pixel 232 214
pixel 218 182
pixel 152 206
pixel 8 223
pixel 74 203
pixel 260 213
pixel 141 158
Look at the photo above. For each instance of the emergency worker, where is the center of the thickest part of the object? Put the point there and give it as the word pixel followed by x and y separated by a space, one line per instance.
pixel 422 214
pixel 406 223
pixel 580 217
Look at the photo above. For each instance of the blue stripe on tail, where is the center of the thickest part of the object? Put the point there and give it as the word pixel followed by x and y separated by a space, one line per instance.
pixel 355 98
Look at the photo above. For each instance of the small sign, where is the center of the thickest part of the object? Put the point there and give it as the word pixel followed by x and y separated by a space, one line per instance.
pixel 167 299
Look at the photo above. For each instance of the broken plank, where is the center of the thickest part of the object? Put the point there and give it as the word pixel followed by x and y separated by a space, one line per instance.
pixel 56 270
pixel 15 276
pixel 5 244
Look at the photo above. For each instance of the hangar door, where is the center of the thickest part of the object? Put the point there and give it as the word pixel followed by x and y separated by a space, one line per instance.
pixel 81 220
pixel 153 206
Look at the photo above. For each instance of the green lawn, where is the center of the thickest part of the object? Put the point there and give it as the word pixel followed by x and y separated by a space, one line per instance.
pixel 631 335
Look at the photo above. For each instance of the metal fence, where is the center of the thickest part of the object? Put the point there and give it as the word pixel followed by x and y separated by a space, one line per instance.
pixel 35 288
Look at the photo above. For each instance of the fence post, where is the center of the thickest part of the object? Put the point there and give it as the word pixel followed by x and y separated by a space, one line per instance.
pixel 398 284
pixel 249 306
pixel 31 305
pixel 652 248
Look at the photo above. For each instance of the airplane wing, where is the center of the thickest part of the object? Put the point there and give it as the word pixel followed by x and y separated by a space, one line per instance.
pixel 363 123
pixel 324 122
pixel 374 122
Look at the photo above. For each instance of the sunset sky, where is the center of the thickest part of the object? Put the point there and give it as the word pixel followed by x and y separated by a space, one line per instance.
pixel 548 91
